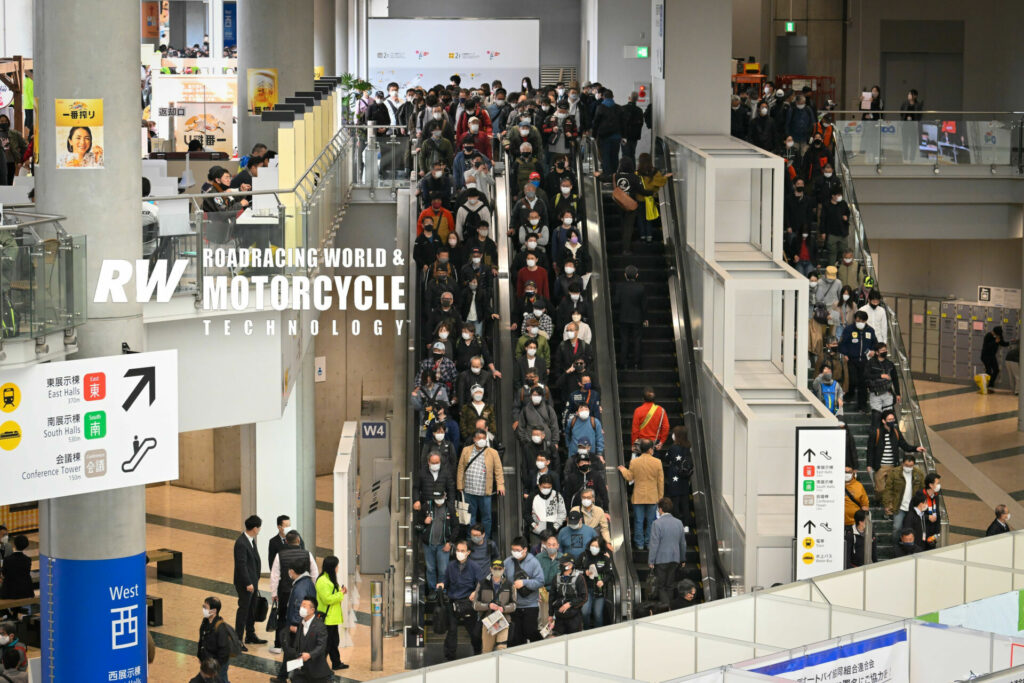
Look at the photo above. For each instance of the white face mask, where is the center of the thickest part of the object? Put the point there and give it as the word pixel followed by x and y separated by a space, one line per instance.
pixel 541 464
pixel 546 491
pixel 569 270
pixel 473 127
pixel 534 221
pixel 849 476
pixel 467 335
pixel 437 116
pixel 594 550
pixel 470 186
pixel 481 443
pixel 475 371
pixel 534 330
pixel 789 143
pixel 587 502
pixel 442 335
pixel 435 468
pixel 531 352
pixel 519 554
pixel 812 284
pixel 536 401
pixel 570 334
pixel 764 110
pixel 531 245
pixel 584 414
pixel 538 312
pixel 438 174
pixel 846 297
pixel 847 261
pixel 478 396
pixel 574 297
pixel 206 615
pixel 439 502
pixel 566 190
pixel 576 527
pixel 304 612
pixel 554 551
pixel 938 487
pixel 839 198
pixel 439 437
pixel 861 326
pixel 567 221
pixel 828 175
pixel 461 555
pixel 908 470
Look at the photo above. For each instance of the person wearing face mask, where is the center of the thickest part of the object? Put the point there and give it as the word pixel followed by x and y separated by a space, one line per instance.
pixel 440 217
pixel 565 211
pixel 532 272
pixel 877 317
pixel 473 361
pixel 818 155
pixel 932 524
pixel 762 128
pixel 278 542
pixel 826 295
pixel 899 485
pixel 856 497
pixel 569 276
pixel 435 147
pixel 823 187
pixel 477 267
pixel 594 515
pixel 560 132
pixel 802 250
pixel 480 475
pixel 475 305
pixel 472 114
pixel 309 643
pixel 499 110
pixel 851 272
pixel 495 593
pixel 648 478
pixel 438 530
pixel 883 384
pixel 441 367
pixel 463 164
pixel 471 214
pixel 541 453
pixel 843 310
pixel 531 366
pixel 214 639
pixel 559 172
pixel 535 413
pixel 531 331
pixel 599 571
pixel 668 550
pixel 800 123
pixel 582 475
pixel 835 224
pixel 1001 524
pixel 435 474
pixel 442 436
pixel 520 131
pixel 13 653
pixel 575 536
pixel 798 211
pixel 856 540
pixel 570 350
pixel 428 394
pixel 475 409
pixel 547 507
pixel 527 577
pixel 857 347
pixel 584 430
pixel 739 119
pixel 424 251
pixel 916 521
pixel 576 307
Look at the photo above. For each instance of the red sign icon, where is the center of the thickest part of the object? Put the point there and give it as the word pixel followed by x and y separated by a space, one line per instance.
pixel 94 386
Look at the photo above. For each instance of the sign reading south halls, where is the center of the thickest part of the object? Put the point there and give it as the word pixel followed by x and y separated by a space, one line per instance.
pixel 88 425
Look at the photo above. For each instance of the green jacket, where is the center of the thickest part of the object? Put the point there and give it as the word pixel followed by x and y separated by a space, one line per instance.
pixel 549 565
pixel 895 485
pixel 328 600
pixel 543 348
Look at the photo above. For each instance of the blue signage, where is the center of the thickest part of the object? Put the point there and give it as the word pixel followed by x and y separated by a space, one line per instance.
pixel 93 619
pixel 230 21
pixel 375 430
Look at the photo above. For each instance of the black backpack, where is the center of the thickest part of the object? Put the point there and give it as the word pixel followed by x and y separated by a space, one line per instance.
pixel 520 574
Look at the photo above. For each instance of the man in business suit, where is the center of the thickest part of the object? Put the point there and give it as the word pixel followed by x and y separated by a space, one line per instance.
pixel 1001 524
pixel 309 642
pixel 278 542
pixel 17 573
pixel 915 521
pixel 667 550
pixel 629 302
pixel 247 580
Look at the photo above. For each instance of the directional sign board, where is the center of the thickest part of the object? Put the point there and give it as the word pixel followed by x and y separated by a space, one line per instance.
pixel 88 425
pixel 820 499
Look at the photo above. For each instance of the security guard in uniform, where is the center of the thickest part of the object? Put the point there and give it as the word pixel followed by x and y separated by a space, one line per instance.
pixel 857 346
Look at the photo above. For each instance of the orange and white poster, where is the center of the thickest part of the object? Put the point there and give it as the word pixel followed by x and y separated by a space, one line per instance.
pixel 262 89
pixel 79 131
pixel 150 19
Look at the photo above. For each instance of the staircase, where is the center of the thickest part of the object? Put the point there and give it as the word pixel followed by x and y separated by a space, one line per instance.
pixel 860 425
pixel 658 366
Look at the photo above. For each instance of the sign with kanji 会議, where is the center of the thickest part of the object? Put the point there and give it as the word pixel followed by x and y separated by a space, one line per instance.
pixel 820 501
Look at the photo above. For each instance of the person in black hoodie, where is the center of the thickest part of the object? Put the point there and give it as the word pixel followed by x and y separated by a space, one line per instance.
pixel 475 306
pixel 677 462
pixel 424 250
pixel 633 126
pixel 762 129
pixel 739 119
pixel 599 572
pixel 608 129
pixel 214 639
pixel 437 532
pixel 567 594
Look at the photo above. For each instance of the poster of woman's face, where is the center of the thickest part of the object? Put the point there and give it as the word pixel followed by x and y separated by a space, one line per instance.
pixel 79 132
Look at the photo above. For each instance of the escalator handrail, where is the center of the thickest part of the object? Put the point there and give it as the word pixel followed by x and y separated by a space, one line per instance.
pixel 628 595
pixel 714 576
pixel 511 503
pixel 910 406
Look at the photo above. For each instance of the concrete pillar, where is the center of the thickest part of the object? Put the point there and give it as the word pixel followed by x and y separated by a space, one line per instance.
pixel 323 35
pixel 272 35
pixel 279 460
pixel 97 534
pixel 341 24
pixel 215 27
pixel 687 99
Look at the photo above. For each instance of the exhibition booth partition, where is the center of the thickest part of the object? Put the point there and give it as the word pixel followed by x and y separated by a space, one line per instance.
pixel 857 625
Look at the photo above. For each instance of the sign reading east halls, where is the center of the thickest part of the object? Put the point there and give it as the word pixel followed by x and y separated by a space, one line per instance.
pixel 88 425
pixel 820 500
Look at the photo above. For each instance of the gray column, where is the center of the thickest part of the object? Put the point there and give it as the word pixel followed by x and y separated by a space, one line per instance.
pixel 341 36
pixel 323 35
pixel 104 206
pixel 215 26
pixel 693 100
pixel 276 35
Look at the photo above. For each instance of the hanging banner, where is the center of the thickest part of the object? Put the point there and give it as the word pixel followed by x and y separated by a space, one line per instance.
pixel 882 659
pixel 820 499
pixel 208 122
pixel 150 20
pixel 262 89
pixel 230 22
pixel 79 131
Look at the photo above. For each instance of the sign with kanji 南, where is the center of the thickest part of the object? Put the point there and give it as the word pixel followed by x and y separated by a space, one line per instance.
pixel 88 425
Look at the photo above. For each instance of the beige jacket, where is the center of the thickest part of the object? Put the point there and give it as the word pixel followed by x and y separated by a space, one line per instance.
pixel 648 479
pixel 492 465
pixel 596 517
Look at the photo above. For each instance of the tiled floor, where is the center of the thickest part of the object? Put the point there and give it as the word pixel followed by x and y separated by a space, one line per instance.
pixel 980 453
pixel 197 524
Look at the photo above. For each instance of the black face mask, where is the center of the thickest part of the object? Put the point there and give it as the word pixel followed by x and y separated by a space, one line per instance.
pixel 890 425
pixel 883 355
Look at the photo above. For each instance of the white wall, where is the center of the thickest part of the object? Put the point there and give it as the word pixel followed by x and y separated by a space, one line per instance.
pixel 16 28
pixel 620 24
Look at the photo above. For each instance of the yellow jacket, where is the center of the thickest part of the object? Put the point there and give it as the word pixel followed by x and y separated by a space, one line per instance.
pixel 328 600
pixel 648 479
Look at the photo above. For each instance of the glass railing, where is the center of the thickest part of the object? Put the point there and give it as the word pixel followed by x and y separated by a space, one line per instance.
pixel 934 139
pixel 909 409
pixel 259 237
pixel 43 285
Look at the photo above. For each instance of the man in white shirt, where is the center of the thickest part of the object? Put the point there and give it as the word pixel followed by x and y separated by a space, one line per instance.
pixel 281 584
pixel 309 643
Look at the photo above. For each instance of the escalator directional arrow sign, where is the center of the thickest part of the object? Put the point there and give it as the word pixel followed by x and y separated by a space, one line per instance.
pixel 148 375
pixel 810 526
pixel 809 454
pixel 819 501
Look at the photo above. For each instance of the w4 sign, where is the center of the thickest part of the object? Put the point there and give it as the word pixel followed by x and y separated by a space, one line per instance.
pixel 88 425
pixel 374 430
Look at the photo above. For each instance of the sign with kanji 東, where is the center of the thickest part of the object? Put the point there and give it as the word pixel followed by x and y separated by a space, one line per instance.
pixel 88 425
pixel 820 501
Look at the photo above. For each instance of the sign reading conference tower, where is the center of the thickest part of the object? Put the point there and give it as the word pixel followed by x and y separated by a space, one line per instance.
pixel 820 501
pixel 88 425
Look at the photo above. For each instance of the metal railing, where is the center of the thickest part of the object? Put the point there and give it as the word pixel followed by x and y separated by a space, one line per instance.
pixel 934 139
pixel 627 595
pixel 43 279
pixel 715 578
pixel 909 408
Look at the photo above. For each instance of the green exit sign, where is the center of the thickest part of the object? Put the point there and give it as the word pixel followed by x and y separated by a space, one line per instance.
pixel 641 52
pixel 790 27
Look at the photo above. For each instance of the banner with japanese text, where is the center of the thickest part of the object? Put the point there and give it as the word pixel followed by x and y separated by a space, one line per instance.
pixel 79 131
